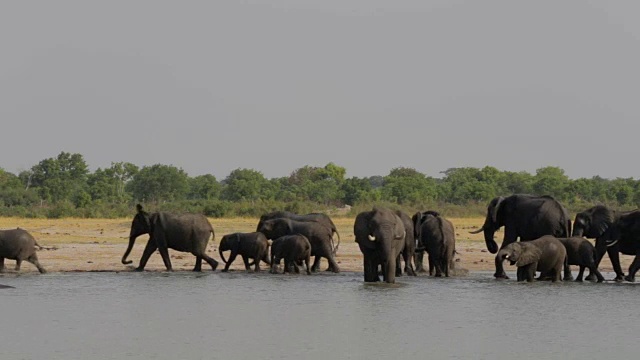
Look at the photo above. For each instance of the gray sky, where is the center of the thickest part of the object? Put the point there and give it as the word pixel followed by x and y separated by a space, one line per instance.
pixel 211 86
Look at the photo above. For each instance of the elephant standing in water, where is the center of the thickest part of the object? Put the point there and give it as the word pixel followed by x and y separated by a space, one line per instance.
pixel 408 253
pixel 248 245
pixel 18 245
pixel 615 232
pixel 320 218
pixel 582 253
pixel 546 254
pixel 380 234
pixel 181 232
pixel 526 217
pixel 437 236
pixel 291 248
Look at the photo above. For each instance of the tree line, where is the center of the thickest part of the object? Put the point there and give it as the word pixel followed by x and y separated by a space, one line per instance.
pixel 63 186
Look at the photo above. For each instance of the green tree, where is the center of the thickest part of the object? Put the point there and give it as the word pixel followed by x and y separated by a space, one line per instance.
pixel 358 190
pixel 204 187
pixel 317 184
pixel 406 186
pixel 158 183
pixel 551 180
pixel 60 178
pixel 246 185
pixel 109 184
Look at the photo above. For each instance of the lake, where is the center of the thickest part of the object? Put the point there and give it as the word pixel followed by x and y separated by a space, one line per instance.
pixel 214 315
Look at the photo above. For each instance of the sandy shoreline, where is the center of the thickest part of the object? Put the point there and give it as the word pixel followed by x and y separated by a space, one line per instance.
pixel 97 245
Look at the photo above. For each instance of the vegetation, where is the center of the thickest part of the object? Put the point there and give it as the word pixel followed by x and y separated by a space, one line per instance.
pixel 64 187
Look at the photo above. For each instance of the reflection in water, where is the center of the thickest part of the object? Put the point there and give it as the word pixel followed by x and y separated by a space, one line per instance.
pixel 247 316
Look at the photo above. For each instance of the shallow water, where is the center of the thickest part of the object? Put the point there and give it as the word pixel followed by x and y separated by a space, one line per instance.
pixel 183 315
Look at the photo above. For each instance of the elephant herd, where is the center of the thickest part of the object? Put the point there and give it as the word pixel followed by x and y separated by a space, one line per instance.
pixel 388 238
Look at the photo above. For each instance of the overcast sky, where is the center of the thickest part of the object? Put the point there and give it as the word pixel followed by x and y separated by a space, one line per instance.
pixel 211 86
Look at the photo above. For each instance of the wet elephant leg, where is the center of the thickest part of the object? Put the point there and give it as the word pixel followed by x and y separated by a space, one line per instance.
pixel 211 261
pixel 232 257
pixel 198 266
pixel 316 263
pixel 34 260
pixel 398 266
pixel 148 250
pixel 18 263
pixel 307 262
pixel 633 268
pixel 164 252
pixel 245 260
pixel 579 278
pixel 1 264
pixel 614 256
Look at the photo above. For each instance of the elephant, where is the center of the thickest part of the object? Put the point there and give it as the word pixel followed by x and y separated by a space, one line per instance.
pixel 318 235
pixel 381 236
pixel 615 232
pixel 18 244
pixel 582 253
pixel 523 216
pixel 248 245
pixel 182 232
pixel 321 218
pixel 546 254
pixel 291 248
pixel 437 236
pixel 408 253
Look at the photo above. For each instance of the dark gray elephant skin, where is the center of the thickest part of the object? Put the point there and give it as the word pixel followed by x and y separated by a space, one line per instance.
pixel 318 235
pixel 18 245
pixel 181 232
pixel 615 232
pixel 546 254
pixel 582 253
pixel 408 253
pixel 291 248
pixel 381 235
pixel 526 217
pixel 437 236
pixel 321 218
pixel 248 245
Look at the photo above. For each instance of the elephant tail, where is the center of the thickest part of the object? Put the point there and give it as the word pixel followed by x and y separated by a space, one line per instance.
pixel 335 249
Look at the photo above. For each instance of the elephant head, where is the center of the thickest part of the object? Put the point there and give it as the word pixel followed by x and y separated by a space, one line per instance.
pixel 493 222
pixel 229 242
pixel 141 225
pixel 275 228
pixel 594 222
pixel 519 254
pixel 380 232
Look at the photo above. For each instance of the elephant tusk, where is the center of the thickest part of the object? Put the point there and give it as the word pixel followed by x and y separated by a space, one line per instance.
pixel 506 256
pixel 372 238
pixel 613 243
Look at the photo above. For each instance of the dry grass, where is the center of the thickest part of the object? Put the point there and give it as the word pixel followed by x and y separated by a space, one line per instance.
pixel 98 244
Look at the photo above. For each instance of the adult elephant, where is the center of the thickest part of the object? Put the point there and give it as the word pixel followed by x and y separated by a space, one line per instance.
pixel 523 216
pixel 437 236
pixel 319 236
pixel 320 218
pixel 380 234
pixel 408 253
pixel 615 232
pixel 181 232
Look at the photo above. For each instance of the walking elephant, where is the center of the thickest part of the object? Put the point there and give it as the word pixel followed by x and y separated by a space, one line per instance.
pixel 408 253
pixel 321 218
pixel 291 248
pixel 437 236
pixel 381 235
pixel 18 245
pixel 526 217
pixel 546 254
pixel 582 253
pixel 248 245
pixel 615 232
pixel 181 232
pixel 318 235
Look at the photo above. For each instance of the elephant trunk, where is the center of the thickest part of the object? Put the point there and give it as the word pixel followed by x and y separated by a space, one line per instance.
pixel 492 246
pixel 389 262
pixel 577 231
pixel 132 240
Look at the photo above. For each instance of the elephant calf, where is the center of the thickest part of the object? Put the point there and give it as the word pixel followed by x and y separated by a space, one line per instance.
pixel 582 253
pixel 291 248
pixel 248 245
pixel 18 245
pixel 546 254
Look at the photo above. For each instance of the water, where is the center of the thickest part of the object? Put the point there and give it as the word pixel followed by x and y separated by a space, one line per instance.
pixel 183 315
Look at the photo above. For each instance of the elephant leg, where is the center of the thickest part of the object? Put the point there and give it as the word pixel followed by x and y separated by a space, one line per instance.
pixel 274 265
pixel 316 264
pixel 232 257
pixel 580 272
pixel 567 272
pixel 1 264
pixel 389 270
pixel 557 273
pixel 445 266
pixel 408 266
pixel 256 260
pixel 398 266
pixel 34 260
pixel 433 262
pixel 614 256
pixel 148 250
pixel 164 252
pixel 307 261
pixel 633 268
pixel 530 272
pixel 419 261
pixel 245 260
pixel 594 270
pixel 18 263
pixel 370 269
pixel 266 259
pixel 211 261
pixel 296 268
pixel 198 266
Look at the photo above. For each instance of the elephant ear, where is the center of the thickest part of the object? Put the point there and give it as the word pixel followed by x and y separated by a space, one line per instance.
pixel 528 254
pixel 496 209
pixel 237 244
pixel 361 229
pixel 399 232
pixel 601 220
pixel 417 224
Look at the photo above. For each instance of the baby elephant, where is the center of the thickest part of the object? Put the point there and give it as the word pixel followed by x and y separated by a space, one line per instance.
pixel 582 253
pixel 248 245
pixel 18 244
pixel 291 248
pixel 546 254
